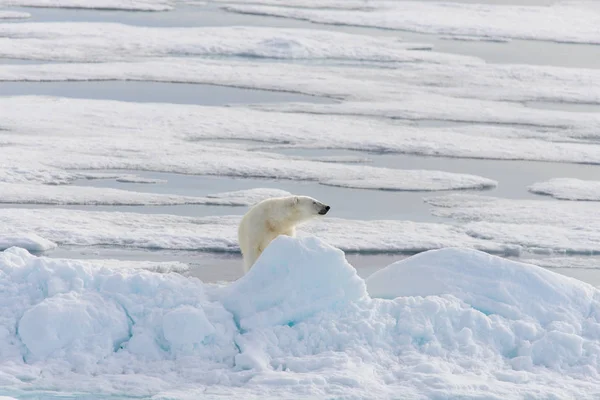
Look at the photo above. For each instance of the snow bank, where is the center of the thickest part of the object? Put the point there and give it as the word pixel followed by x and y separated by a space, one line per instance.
pixel 300 325
pixel 29 241
pixel 464 19
pixel 130 5
pixel 36 194
pixel 568 189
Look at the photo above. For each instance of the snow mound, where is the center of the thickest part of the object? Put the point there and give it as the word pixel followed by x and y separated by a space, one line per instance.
pixel 73 326
pixel 29 241
pixel 280 288
pixel 488 283
pixel 568 189
pixel 300 324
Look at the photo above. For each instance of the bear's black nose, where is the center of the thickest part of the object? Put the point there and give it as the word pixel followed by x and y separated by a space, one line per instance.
pixel 324 210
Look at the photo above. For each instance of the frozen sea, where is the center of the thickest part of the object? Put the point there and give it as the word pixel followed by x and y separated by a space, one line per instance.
pixel 134 135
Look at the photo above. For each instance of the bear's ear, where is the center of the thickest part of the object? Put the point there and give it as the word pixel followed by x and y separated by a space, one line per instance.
pixel 296 200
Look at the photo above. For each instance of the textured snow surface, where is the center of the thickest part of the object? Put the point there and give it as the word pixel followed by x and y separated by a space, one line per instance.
pixel 131 5
pixel 568 189
pixel 63 194
pixel 300 324
pixel 553 22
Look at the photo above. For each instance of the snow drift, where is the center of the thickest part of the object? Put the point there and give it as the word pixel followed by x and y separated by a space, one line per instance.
pixel 300 324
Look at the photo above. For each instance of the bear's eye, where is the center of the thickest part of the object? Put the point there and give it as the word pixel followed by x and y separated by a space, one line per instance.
pixel 314 202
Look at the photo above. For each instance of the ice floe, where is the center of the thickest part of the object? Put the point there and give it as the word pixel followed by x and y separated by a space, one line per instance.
pixel 551 22
pixel 547 227
pixel 568 189
pixel 424 81
pixel 68 195
pixel 301 324
pixel 109 135
pixel 92 42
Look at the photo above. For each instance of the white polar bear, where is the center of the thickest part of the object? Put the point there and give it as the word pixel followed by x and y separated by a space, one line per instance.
pixel 271 218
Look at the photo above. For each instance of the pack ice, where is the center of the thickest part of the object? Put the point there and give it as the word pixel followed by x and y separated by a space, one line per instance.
pixel 301 324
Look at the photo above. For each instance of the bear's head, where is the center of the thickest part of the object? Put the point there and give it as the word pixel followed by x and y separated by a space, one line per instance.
pixel 305 207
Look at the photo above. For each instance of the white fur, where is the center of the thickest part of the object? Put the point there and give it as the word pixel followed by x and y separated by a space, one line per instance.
pixel 271 218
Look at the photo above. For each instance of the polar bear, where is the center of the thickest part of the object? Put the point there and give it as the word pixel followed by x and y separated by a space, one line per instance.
pixel 273 217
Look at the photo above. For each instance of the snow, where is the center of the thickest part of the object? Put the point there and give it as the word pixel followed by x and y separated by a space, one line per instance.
pixel 518 285
pixel 260 301
pixel 25 240
pixel 538 226
pixel 550 23
pixel 219 233
pixel 69 195
pixel 300 324
pixel 77 327
pixel 117 135
pixel 568 189
pixel 130 5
